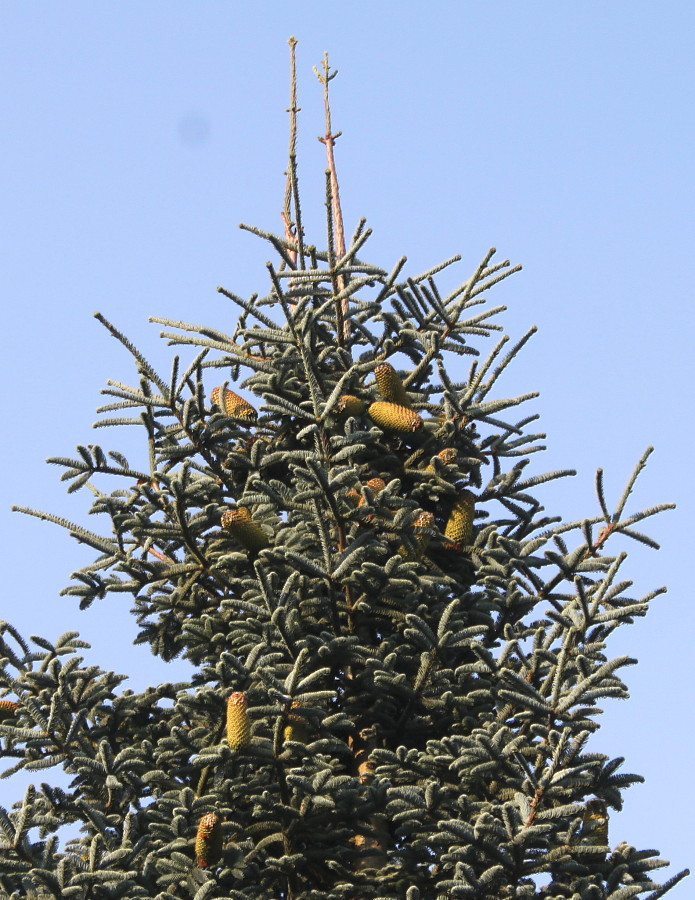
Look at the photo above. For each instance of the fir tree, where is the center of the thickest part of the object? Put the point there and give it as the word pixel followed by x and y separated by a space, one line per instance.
pixel 398 655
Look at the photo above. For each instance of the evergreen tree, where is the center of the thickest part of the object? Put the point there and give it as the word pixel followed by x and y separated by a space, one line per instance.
pixel 398 656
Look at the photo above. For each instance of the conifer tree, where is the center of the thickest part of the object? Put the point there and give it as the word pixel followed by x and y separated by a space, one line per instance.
pixel 398 655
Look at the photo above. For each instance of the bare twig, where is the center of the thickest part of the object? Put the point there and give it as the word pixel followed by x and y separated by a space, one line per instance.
pixel 329 140
pixel 290 225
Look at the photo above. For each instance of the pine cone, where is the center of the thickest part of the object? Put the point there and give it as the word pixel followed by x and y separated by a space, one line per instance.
pixel 447 455
pixel 392 417
pixel 239 524
pixel 8 709
pixel 238 725
pixel 422 520
pixel 296 728
pixel 374 484
pixel 459 527
pixel 595 824
pixel 354 496
pixel 389 384
pixel 208 840
pixel 349 405
pixel 232 404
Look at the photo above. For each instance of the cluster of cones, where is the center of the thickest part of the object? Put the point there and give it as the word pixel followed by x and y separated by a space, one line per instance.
pixel 394 414
pixel 208 842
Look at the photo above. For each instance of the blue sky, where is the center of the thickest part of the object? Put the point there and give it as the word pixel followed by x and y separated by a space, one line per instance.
pixel 136 138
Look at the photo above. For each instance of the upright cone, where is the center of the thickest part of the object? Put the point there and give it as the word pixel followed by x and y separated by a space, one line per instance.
pixel 208 840
pixel 238 725
pixel 459 526
pixel 349 405
pixel 296 728
pixel 8 709
pixel 232 404
pixel 374 484
pixel 422 520
pixel 239 524
pixel 447 455
pixel 389 384
pixel 595 824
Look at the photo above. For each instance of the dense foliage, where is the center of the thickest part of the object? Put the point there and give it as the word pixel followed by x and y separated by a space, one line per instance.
pixel 398 655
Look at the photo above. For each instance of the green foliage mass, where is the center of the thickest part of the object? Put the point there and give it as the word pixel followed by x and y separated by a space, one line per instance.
pixel 418 707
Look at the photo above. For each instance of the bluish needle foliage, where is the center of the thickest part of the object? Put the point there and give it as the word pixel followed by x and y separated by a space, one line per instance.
pixel 399 657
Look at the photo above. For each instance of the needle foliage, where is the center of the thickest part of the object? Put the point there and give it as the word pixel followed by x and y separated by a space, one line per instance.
pixel 398 657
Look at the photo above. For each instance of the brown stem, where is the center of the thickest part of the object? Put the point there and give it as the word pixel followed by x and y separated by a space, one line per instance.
pixel 160 556
pixel 329 140
pixel 534 807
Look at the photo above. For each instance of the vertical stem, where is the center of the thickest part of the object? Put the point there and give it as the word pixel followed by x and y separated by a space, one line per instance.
pixel 329 140
pixel 290 225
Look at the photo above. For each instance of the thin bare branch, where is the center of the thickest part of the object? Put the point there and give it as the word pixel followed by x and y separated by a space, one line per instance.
pixel 329 140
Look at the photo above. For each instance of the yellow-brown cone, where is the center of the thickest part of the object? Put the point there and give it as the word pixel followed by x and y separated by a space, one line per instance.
pixel 392 417
pixel 459 527
pixel 232 404
pixel 354 496
pixel 349 405
pixel 447 455
pixel 389 384
pixel 8 709
pixel 296 728
pixel 375 485
pixel 238 725
pixel 421 521
pixel 208 840
pixel 595 824
pixel 239 524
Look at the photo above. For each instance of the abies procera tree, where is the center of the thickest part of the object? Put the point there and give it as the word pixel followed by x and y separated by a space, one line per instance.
pixel 398 656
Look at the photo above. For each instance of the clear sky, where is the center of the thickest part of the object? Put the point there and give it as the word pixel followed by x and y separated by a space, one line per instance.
pixel 136 136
